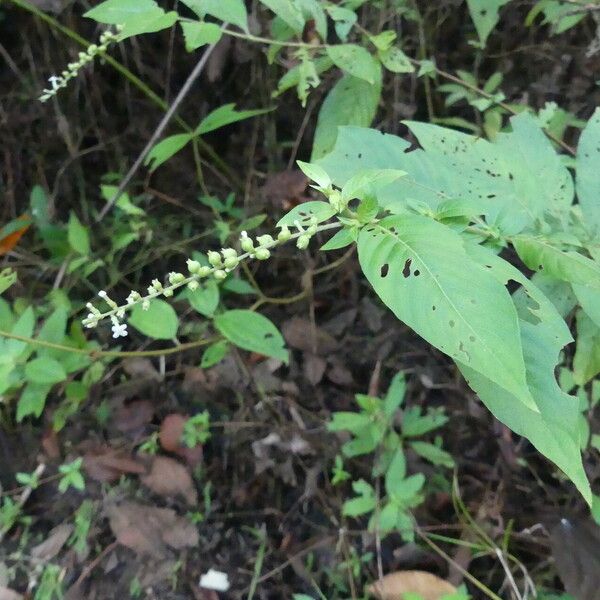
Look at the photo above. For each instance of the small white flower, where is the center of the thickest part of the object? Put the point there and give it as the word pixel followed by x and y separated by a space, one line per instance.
pixel 146 304
pixel 102 294
pixel 215 580
pixel 119 330
pixel 54 82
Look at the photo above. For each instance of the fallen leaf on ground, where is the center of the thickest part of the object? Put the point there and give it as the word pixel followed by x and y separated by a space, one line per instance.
pixel 141 367
pixel 395 585
pixel 285 189
pixel 53 544
pixel 105 463
pixel 133 416
pixel 300 334
pixel 171 430
pixel 148 530
pixel 167 477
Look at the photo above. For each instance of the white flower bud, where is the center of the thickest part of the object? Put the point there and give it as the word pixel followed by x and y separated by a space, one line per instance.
pixel 193 266
pixel 175 278
pixel 265 240
pixel 285 234
pixel 204 271
pixel 219 274
pixel 193 285
pixel 246 243
pixel 214 258
pixel 262 254
pixel 146 304
pixel 303 241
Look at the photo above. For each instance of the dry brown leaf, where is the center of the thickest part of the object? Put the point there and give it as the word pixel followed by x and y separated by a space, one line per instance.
pixel 301 335
pixel 395 585
pixel 148 530
pixel 140 367
pixel 106 464
pixel 8 594
pixel 167 477
pixel 171 430
pixel 285 189
pixel 53 544
pixel 133 416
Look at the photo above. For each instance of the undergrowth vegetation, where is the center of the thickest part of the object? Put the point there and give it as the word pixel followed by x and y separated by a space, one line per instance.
pixel 475 219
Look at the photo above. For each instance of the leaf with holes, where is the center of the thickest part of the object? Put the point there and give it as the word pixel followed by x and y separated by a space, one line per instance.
pixel 554 430
pixel 588 170
pixel 421 271
pixel 485 16
pixel 542 252
pixel 252 331
pixel 305 212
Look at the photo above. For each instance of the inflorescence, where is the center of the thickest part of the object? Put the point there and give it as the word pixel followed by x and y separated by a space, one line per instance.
pixel 61 81
pixel 220 265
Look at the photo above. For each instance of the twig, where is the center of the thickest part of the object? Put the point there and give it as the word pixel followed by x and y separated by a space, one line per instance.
pixel 160 128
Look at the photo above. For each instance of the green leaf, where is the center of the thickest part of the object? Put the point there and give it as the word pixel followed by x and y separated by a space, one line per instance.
pixel 366 183
pixel 214 354
pixel 253 332
pixel 159 321
pixel 587 172
pixel 351 101
pixel 355 60
pixel 45 370
pixel 542 252
pixel 288 12
pixel 394 60
pixel 421 271
pixel 165 149
pixel 589 299
pixel 554 431
pixel 341 239
pixel 395 395
pixel 53 330
pixel 32 400
pixel 396 472
pixel 78 235
pixel 23 327
pixel 485 16
pixel 586 362
pixel 293 76
pixel 315 173
pixel 199 34
pixel 415 424
pixel 364 503
pixel 225 115
pixel 348 421
pixel 116 12
pixel 228 11
pixel 305 212
pixel 205 299
pixel 149 23
pixel 8 277
pixel 405 490
pixel 434 454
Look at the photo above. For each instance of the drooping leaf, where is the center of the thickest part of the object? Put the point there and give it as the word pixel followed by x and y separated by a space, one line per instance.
pixel 200 33
pixel 589 299
pixel 437 290
pixel 53 330
pixel 225 115
pixel 587 172
pixel 394 60
pixel 32 400
pixel 78 236
pixel 341 239
pixel 356 61
pixel 165 149
pixel 554 429
pixel 586 362
pixel 149 23
pixel 12 349
pixel 252 331
pixel 159 321
pixel 288 12
pixel 228 11
pixel 542 252
pixel 485 16
pixel 214 354
pixel 351 101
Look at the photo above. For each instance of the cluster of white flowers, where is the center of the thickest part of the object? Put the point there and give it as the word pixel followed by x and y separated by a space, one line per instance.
pixel 61 81
pixel 220 265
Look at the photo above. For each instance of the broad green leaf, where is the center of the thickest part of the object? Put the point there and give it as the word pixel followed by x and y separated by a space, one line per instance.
pixel 149 23
pixel 199 34
pixel 421 271
pixel 228 11
pixel 514 181
pixel 78 235
pixel 588 172
pixel 205 299
pixel 159 321
pixel 117 12
pixel 343 18
pixel 288 12
pixel 305 212
pixel 214 354
pixel 351 101
pixel 554 430
pixel 8 277
pixel 44 370
pixel 366 183
pixel 313 10
pixel 356 61
pixel 394 60
pixel 485 16
pixel 341 239
pixel 589 299
pixel 542 252
pixel 125 204
pixel 396 471
pixel 434 454
pixel 53 330
pixel 558 292
pixel 225 115
pixel 586 362
pixel 11 350
pixel 253 332
pixel 32 400
pixel 165 149
pixel 316 173
pixel 404 490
